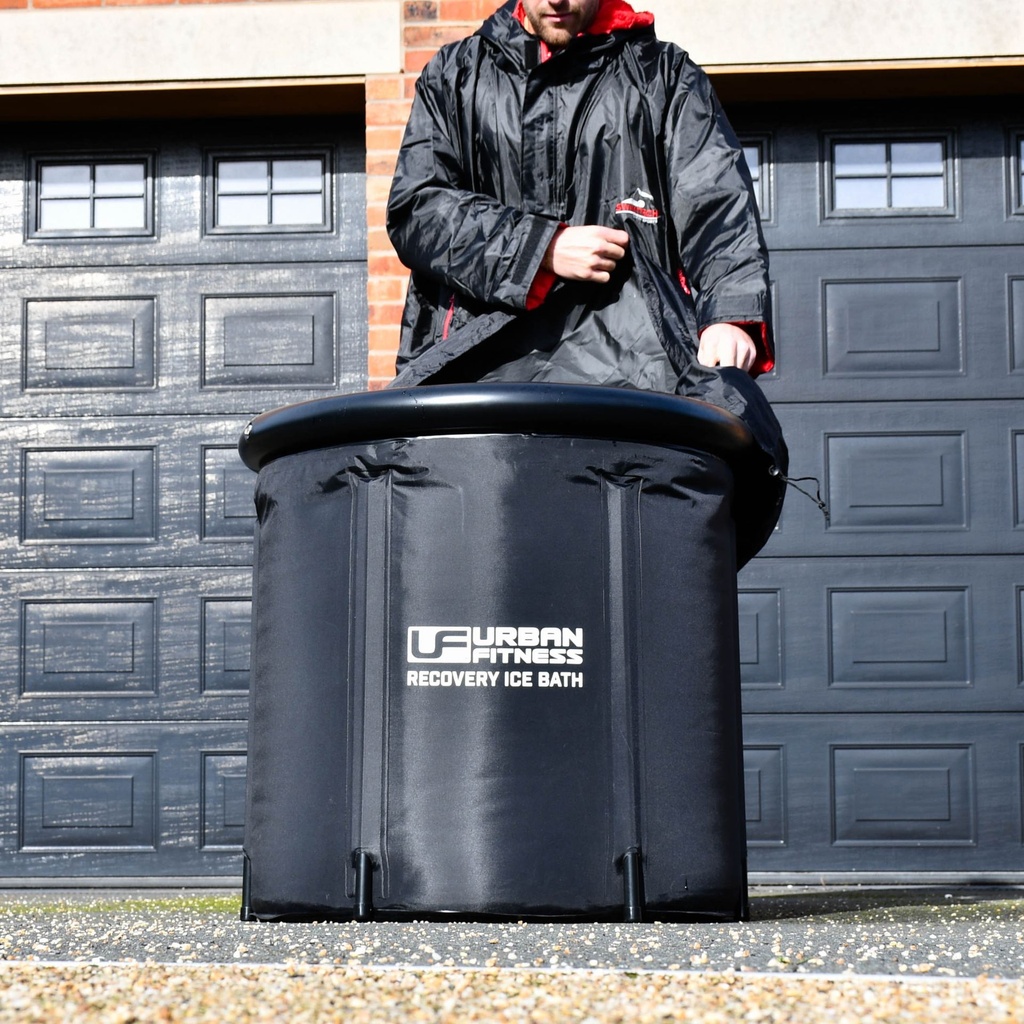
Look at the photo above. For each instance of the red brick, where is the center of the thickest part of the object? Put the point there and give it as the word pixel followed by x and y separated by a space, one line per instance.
pixel 384 139
pixel 383 87
pixel 378 187
pixel 388 112
pixel 386 289
pixel 381 365
pixel 387 341
pixel 416 60
pixel 384 338
pixel 383 313
pixel 410 86
pixel 467 10
pixel 375 213
pixel 429 37
pixel 4 4
pixel 66 3
pixel 377 236
pixel 420 10
pixel 380 263
pixel 381 163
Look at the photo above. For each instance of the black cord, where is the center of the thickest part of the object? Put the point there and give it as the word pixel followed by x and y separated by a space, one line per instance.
pixel 795 481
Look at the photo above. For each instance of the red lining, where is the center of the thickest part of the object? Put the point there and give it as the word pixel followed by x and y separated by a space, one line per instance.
pixel 448 318
pixel 611 16
pixel 617 14
pixel 542 284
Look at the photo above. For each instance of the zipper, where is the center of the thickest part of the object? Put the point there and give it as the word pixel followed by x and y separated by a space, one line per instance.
pixel 448 317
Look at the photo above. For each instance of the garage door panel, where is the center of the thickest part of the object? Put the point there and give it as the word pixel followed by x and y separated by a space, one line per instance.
pixel 882 653
pixel 155 491
pixel 1018 479
pixel 345 242
pixel 903 479
pixel 189 340
pixel 125 645
pixel 178 240
pixel 121 800
pixel 886 793
pixel 896 325
pixel 133 352
pixel 893 327
pixel 942 635
pixel 978 160
pixel 181 229
pixel 1015 286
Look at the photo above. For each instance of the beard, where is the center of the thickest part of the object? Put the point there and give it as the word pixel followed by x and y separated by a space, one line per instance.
pixel 556 34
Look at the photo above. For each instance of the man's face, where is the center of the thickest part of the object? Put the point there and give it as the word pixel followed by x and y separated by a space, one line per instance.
pixel 558 21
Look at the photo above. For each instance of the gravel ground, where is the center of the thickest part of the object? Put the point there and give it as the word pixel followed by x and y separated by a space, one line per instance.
pixel 850 955
pixel 120 994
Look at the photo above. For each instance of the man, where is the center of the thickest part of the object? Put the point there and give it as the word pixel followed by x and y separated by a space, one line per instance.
pixel 522 142
pixel 575 208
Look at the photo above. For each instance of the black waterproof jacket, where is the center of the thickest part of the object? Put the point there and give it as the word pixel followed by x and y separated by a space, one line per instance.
pixel 619 129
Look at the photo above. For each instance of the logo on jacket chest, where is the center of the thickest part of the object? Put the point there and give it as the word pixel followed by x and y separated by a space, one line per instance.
pixel 640 206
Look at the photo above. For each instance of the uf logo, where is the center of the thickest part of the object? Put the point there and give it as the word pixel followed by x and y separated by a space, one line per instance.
pixel 440 644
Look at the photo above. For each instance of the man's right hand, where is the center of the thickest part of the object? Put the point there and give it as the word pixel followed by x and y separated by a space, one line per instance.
pixel 586 252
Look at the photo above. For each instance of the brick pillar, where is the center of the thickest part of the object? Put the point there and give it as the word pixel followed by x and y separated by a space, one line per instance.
pixel 426 26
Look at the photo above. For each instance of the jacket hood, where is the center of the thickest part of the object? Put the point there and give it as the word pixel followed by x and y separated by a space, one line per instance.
pixel 505 29
pixel 612 15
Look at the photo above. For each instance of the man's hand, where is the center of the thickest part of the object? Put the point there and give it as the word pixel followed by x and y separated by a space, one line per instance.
pixel 726 345
pixel 586 252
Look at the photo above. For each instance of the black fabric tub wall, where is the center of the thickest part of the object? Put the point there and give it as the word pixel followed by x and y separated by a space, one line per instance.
pixel 495 671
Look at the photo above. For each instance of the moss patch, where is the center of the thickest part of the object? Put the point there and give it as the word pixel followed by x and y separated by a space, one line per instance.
pixel 190 903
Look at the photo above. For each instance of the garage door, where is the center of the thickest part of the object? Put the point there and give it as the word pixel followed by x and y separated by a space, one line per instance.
pixel 883 677
pixel 162 283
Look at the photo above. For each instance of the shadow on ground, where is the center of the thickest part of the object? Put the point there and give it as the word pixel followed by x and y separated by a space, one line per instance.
pixel 889 903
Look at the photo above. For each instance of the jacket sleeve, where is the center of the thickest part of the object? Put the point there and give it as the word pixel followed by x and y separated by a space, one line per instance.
pixel 714 214
pixel 440 227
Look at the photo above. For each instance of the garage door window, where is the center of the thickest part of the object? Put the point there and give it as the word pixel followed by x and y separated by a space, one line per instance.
pixel 755 150
pixel 91 198
pixel 1019 174
pixel 890 177
pixel 285 193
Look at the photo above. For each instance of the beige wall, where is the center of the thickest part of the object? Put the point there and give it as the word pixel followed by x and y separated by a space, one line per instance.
pixel 215 42
pixel 729 32
pixel 318 39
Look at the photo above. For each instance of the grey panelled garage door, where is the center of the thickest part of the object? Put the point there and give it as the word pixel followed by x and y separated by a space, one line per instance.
pixel 883 671
pixel 161 283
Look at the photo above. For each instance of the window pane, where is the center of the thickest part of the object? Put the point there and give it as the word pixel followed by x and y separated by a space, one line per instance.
pixel 120 213
pixel 298 176
pixel 752 154
pixel 65 215
pixel 860 158
pixel 303 209
pixel 917 158
pixel 918 192
pixel 242 211
pixel 120 179
pixel 861 194
pixel 242 176
pixel 1020 167
pixel 64 180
